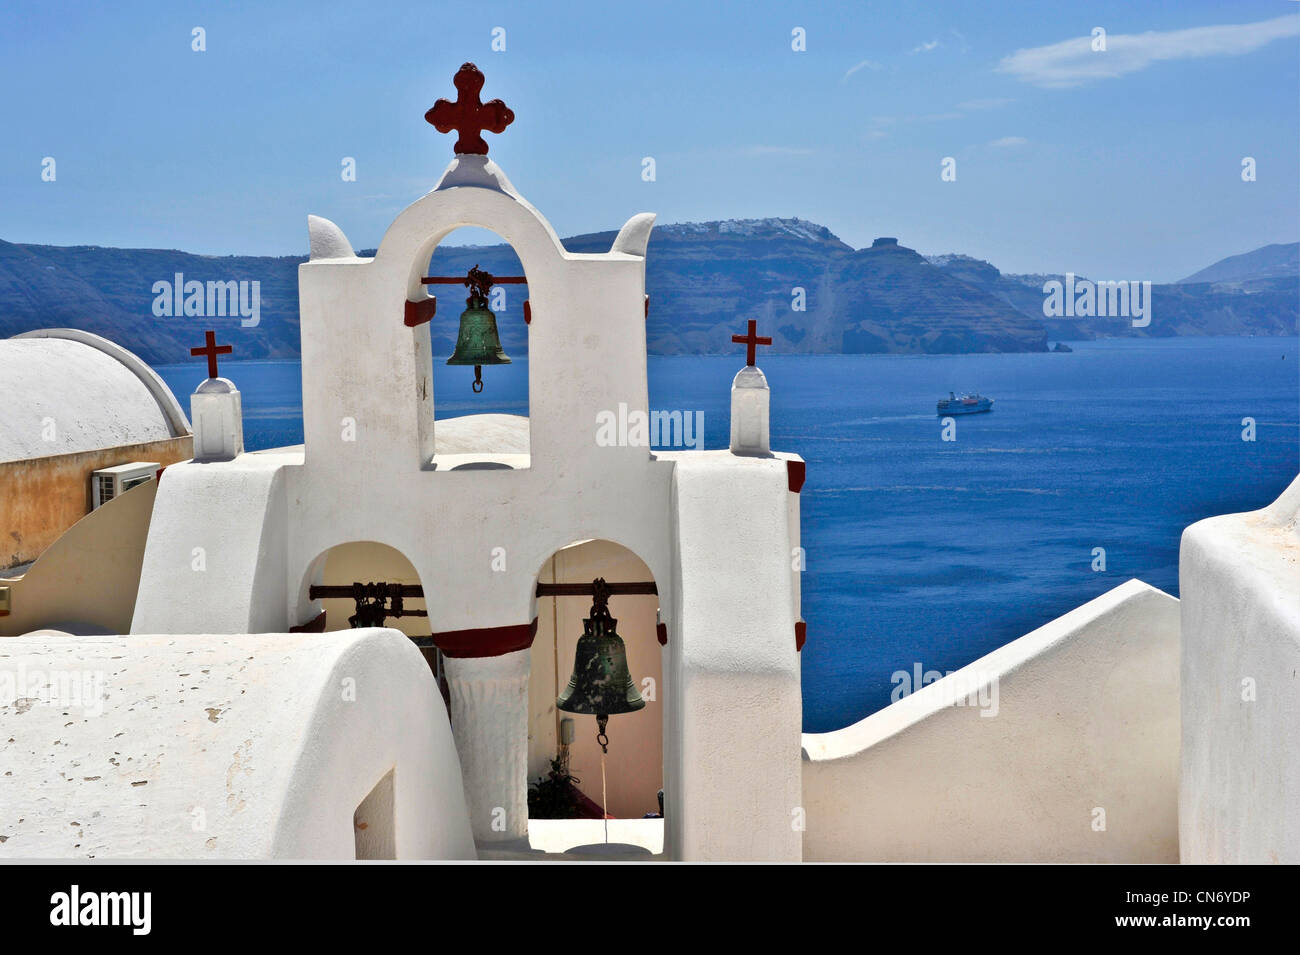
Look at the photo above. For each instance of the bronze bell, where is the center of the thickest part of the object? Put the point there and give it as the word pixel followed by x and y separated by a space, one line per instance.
pixel 601 684
pixel 478 343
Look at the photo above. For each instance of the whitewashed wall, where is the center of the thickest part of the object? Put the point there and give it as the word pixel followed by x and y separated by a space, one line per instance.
pixel 227 747
pixel 1239 576
pixel 1086 719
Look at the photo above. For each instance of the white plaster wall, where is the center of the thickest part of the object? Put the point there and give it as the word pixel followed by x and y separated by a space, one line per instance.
pixel 587 355
pixel 1087 718
pixel 489 708
pixel 225 747
pixel 731 747
pixel 1239 576
pixel 215 557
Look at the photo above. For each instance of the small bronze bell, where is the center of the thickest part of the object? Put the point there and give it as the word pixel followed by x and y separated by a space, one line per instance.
pixel 478 343
pixel 600 684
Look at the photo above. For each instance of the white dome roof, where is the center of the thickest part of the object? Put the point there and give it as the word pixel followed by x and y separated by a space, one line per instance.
pixel 82 391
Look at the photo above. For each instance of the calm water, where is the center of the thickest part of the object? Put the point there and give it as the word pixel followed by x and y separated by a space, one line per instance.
pixel 921 551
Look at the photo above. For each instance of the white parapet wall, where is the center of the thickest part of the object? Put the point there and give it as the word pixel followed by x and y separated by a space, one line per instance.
pixel 309 746
pixel 1061 746
pixel 1239 576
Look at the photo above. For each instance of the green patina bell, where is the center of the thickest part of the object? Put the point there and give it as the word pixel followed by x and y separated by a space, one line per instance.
pixel 478 343
pixel 601 684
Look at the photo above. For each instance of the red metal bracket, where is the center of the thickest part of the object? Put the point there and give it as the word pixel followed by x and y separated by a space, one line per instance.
pixel 800 635
pixel 418 313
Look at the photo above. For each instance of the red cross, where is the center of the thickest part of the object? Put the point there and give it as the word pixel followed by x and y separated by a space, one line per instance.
pixel 467 115
pixel 212 350
pixel 750 341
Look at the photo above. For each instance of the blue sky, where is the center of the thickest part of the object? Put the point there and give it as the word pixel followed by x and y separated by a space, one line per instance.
pixel 1123 164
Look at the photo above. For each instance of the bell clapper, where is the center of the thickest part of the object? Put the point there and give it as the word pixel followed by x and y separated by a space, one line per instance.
pixel 602 720
pixel 478 379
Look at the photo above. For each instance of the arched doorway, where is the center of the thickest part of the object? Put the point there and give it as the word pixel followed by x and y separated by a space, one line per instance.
pixel 634 764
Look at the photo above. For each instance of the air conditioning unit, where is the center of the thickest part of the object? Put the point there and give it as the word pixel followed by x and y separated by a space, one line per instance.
pixel 108 483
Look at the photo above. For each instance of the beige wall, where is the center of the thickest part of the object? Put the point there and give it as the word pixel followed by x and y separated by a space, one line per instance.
pixel 634 766
pixel 40 498
pixel 88 576
pixel 368 562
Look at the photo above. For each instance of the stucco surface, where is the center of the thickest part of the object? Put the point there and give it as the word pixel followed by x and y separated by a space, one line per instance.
pixel 1086 719
pixel 86 581
pixel 63 396
pixel 733 698
pixel 1239 576
pixel 225 746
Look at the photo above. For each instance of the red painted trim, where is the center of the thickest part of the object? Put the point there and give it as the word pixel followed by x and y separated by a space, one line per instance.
pixel 315 625
pixel 796 472
pixel 486 641
pixel 417 313
pixel 157 475
pixel 528 313
pixel 589 808
pixel 661 631
pixel 800 635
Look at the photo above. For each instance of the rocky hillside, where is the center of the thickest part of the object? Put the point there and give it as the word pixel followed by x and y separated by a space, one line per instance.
pixel 1269 262
pixel 1258 300
pixel 704 278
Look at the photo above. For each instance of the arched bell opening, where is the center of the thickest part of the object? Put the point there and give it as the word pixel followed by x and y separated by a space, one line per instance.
pixel 479 342
pixel 368 584
pixel 634 761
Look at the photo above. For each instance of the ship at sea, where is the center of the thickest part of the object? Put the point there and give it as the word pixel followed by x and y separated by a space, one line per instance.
pixel 966 404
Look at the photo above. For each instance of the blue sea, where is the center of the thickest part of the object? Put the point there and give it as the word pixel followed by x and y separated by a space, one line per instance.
pixel 932 552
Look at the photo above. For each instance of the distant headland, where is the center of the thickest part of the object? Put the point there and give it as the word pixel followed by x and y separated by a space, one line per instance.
pixel 813 293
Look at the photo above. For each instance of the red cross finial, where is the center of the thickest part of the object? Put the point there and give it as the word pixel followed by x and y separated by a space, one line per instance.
pixel 750 341
pixel 467 115
pixel 212 350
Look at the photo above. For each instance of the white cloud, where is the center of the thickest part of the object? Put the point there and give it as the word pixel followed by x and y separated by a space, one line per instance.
pixel 1008 141
pixel 864 65
pixel 925 47
pixel 1074 62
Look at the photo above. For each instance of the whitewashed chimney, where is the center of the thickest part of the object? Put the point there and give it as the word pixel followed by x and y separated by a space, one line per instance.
pixel 750 400
pixel 218 417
